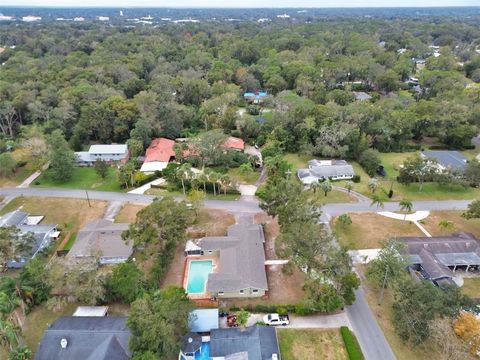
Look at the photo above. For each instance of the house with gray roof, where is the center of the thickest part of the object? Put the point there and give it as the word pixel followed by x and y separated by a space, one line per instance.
pixel 109 153
pixel 41 234
pixel 241 271
pixel 437 258
pixel 361 96
pixel 104 238
pixel 86 338
pixel 252 343
pixel 320 170
pixel 447 160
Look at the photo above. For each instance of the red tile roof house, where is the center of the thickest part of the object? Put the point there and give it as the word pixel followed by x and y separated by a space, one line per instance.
pixel 234 143
pixel 158 155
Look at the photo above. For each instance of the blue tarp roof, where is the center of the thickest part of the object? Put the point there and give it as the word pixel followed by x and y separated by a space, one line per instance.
pixel 204 320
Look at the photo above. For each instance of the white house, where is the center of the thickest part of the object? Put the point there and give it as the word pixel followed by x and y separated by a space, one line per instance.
pixel 108 153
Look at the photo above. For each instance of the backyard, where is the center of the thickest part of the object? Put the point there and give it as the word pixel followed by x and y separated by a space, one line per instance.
pixel 471 287
pixel 311 344
pixel 83 178
pixel 368 230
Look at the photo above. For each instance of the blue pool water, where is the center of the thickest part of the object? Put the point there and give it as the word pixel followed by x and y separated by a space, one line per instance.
pixel 205 353
pixel 198 275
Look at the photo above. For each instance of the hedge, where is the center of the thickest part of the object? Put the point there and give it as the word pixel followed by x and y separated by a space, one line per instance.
pixel 351 344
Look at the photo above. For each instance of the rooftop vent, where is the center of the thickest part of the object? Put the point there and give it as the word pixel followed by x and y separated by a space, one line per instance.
pixel 274 357
pixel 63 343
pixel 190 340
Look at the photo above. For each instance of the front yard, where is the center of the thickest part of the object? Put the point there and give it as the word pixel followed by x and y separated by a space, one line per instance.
pixel 83 178
pixel 311 344
pixel 458 223
pixel 368 230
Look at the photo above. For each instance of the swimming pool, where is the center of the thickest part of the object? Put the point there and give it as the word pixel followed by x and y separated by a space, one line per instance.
pixel 198 271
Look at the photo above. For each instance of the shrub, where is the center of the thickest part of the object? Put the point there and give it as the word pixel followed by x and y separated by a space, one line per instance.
pixel 370 161
pixel 390 194
pixel 302 309
pixel 351 344
pixel 356 179
pixel 282 310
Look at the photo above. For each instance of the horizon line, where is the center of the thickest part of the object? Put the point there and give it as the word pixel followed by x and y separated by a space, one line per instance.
pixel 233 7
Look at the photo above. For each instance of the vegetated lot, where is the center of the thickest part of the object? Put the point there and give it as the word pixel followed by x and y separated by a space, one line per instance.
pixel 38 320
pixel 383 315
pixel 243 178
pixel 210 223
pixel 471 287
pixel 128 213
pixel 311 344
pixel 336 196
pixel 83 178
pixel 368 230
pixel 17 177
pixel 392 162
pixel 458 223
pixel 69 214
pixel 219 196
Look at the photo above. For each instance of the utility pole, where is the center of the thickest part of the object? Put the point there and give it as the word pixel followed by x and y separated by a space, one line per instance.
pixel 88 199
pixel 383 286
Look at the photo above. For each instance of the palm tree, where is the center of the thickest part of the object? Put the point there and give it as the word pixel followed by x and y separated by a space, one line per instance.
pixel 446 225
pixel 373 184
pixel 314 186
pixel 406 206
pixel 184 172
pixel 224 182
pixel 213 178
pixel 377 200
pixel 349 186
pixel 203 178
pixel 326 186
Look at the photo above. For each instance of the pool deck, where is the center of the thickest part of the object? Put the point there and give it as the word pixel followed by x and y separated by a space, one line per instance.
pixel 215 262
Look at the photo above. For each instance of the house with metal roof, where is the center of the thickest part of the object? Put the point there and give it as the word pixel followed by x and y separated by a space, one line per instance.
pixel 447 159
pixel 86 338
pixel 104 238
pixel 320 170
pixel 438 258
pixel 105 152
pixel 255 97
pixel 41 234
pixel 241 271
pixel 361 96
pixel 252 343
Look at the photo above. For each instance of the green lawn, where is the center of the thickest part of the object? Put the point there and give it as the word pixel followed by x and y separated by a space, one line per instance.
pixel 298 161
pixel 311 344
pixel 83 178
pixel 243 178
pixel 70 242
pixel 471 287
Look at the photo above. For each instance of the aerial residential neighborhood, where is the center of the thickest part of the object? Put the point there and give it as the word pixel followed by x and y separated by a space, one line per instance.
pixel 240 183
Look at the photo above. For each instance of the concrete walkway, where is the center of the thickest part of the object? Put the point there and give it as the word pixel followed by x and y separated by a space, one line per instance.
pixel 26 183
pixel 141 190
pixel 247 190
pixel 360 197
pixel 112 211
pixel 415 218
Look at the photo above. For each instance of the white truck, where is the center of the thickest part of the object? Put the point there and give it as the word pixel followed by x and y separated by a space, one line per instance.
pixel 276 319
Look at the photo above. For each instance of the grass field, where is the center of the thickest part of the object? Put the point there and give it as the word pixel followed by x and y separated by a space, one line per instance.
pixel 368 230
pixel 249 178
pixel 128 213
pixel 69 214
pixel 311 344
pixel 83 178
pixel 471 287
pixel 459 223
pixel 392 162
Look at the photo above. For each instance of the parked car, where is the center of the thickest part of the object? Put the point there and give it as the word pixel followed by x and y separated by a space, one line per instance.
pixel 276 319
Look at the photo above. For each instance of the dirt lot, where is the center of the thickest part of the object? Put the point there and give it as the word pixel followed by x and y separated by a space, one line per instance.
pixel 459 223
pixel 211 223
pixel 128 213
pixel 368 230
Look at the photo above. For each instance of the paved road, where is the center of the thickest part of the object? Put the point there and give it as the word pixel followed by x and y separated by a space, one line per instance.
pixel 234 206
pixel 370 336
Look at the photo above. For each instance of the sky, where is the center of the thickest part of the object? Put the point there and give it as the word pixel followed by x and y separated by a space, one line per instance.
pixel 240 3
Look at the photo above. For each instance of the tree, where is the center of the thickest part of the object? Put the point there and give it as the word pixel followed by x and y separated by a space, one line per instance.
pixel 7 164
pixel 196 198
pixel 472 173
pixel 473 211
pixel 349 186
pixel 378 201
pixel 126 283
pixel 447 345
pixel 242 317
pixel 14 244
pixel 314 186
pixel 406 206
pixel 8 335
pixel 62 159
pixel 213 178
pixel 101 168
pixel 370 161
pixel 446 224
pixel 418 169
pixel 467 327
pixel 345 220
pixel 224 182
pixel 20 353
pixel 390 265
pixel 126 174
pixel 184 172
pixel 159 320
pixel 245 168
pixel 326 186
pixel 373 184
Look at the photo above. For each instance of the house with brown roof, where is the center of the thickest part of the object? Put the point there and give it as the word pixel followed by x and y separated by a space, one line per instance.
pixel 158 155
pixel 234 143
